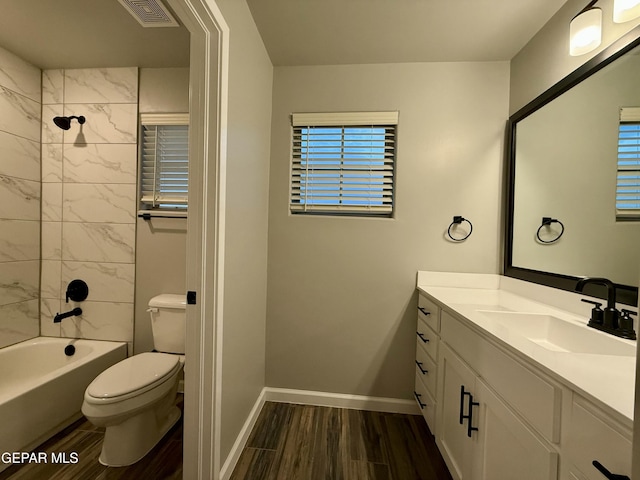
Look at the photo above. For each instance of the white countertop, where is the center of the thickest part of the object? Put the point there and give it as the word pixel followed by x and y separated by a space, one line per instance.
pixel 605 379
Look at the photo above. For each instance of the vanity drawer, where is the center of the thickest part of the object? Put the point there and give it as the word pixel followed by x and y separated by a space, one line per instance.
pixel 426 403
pixel 429 313
pixel 426 369
pixel 427 339
pixel 592 436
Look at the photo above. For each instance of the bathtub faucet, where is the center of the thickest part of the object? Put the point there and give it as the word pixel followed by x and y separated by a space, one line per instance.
pixel 61 316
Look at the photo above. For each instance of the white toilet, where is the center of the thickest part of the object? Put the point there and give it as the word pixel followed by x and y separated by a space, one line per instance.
pixel 135 398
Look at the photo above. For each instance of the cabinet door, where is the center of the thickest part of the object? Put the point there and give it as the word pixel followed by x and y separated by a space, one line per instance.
pixel 506 448
pixel 451 437
pixel 593 436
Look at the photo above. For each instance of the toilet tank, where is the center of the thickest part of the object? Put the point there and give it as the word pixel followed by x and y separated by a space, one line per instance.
pixel 168 322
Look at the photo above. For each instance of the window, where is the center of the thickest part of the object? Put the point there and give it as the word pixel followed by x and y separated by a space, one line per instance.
pixel 164 161
pixel 343 163
pixel 628 184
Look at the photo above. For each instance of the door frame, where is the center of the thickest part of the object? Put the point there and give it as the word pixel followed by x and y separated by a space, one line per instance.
pixel 208 85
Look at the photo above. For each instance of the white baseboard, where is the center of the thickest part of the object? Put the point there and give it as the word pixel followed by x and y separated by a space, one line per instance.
pixel 243 437
pixel 307 397
pixel 341 400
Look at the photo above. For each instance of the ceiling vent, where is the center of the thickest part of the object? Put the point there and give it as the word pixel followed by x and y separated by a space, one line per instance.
pixel 150 13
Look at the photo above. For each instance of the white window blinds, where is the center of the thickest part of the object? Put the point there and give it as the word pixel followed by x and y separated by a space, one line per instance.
pixel 343 163
pixel 164 161
pixel 628 184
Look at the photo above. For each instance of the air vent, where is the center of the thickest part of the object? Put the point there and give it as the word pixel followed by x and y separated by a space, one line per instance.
pixel 150 13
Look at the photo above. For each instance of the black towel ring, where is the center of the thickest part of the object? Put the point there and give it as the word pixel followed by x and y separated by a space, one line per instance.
pixel 457 220
pixel 546 222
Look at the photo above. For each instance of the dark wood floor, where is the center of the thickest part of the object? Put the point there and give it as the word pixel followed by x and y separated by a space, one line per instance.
pixel 289 442
pixel 163 462
pixel 301 442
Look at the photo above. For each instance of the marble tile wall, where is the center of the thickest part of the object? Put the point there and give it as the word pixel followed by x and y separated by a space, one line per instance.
pixel 89 200
pixel 20 105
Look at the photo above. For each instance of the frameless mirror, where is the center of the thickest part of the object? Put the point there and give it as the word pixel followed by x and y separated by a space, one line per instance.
pixel 562 221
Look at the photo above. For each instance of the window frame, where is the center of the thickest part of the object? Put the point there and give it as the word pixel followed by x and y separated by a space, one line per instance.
pixel 349 163
pixel 628 116
pixel 146 206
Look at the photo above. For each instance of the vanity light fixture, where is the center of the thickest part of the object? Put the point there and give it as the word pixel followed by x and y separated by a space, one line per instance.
pixel 625 10
pixel 585 30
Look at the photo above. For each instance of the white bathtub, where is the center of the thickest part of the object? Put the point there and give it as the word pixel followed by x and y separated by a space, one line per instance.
pixel 41 388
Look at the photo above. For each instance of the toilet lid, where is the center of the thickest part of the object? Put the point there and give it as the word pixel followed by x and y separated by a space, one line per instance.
pixel 133 373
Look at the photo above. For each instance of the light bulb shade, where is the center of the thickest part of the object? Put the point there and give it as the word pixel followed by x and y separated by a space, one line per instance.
pixel 585 32
pixel 625 10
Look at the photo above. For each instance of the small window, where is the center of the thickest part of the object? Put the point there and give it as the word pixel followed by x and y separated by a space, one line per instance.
pixel 164 161
pixel 628 184
pixel 344 163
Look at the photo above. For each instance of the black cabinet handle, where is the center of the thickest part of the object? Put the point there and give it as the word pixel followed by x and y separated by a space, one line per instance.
pixel 422 337
pixel 607 473
pixel 423 371
pixel 462 395
pixel 417 395
pixel 424 310
pixel 470 416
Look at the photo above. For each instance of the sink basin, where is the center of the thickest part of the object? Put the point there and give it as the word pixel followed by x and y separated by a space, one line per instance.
pixel 559 335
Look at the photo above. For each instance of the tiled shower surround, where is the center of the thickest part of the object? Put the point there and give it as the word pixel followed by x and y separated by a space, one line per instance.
pixel 19 198
pixel 89 200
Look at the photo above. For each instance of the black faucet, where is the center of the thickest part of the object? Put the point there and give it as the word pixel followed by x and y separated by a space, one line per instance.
pixel 607 320
pixel 61 316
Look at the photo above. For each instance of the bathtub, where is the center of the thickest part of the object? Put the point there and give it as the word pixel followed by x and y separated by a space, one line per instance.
pixel 41 388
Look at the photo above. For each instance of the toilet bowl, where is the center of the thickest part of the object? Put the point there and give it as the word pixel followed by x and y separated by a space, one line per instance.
pixel 135 399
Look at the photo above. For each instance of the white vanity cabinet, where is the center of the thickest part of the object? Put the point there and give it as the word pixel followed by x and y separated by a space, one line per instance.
pixel 510 405
pixel 427 344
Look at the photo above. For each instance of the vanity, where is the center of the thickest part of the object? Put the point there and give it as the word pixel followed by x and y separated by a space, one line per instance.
pixel 513 384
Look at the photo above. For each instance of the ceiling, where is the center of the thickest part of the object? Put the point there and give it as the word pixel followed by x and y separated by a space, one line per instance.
pixel 86 34
pixel 101 33
pixel 325 32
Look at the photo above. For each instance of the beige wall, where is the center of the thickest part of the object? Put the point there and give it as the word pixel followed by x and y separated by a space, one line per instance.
pixel 545 60
pixel 248 137
pixel 341 296
pixel 161 253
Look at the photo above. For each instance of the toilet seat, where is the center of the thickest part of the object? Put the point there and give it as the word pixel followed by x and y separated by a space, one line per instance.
pixel 132 377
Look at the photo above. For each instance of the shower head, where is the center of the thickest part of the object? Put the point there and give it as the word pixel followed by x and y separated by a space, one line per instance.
pixel 65 122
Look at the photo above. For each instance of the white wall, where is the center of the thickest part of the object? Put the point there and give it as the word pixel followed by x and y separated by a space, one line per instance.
pixel 20 98
pixel 341 296
pixel 245 276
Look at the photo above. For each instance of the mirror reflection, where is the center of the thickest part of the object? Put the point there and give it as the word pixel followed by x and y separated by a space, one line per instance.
pixel 566 171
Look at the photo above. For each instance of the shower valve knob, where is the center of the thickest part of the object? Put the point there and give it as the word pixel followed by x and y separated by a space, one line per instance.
pixel 78 291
